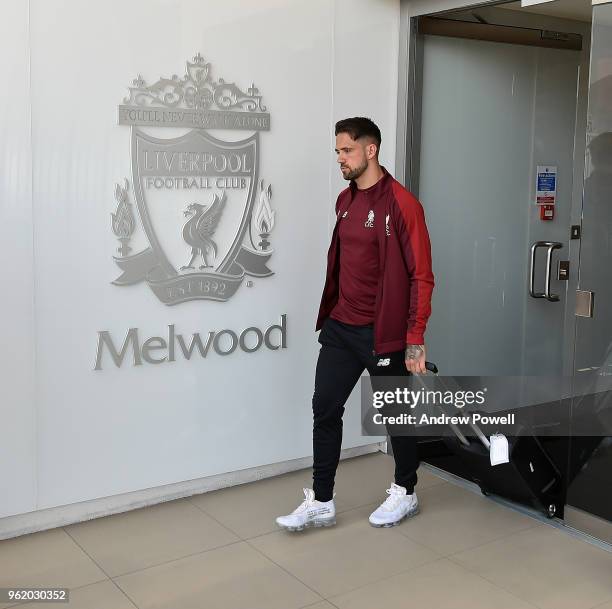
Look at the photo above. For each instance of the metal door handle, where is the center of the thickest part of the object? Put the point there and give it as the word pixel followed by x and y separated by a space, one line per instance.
pixel 550 246
pixel 534 249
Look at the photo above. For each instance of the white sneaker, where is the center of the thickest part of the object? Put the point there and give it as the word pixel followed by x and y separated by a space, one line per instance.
pixel 310 513
pixel 395 507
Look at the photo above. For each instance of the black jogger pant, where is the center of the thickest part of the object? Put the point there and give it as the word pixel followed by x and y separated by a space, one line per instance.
pixel 346 351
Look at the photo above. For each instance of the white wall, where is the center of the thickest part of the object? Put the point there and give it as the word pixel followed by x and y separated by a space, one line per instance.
pixel 366 38
pixel 74 434
pixel 18 446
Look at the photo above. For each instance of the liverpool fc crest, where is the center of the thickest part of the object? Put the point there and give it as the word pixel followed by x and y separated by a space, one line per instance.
pixel 205 212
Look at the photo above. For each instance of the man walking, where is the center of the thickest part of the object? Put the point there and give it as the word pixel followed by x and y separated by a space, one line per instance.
pixel 373 315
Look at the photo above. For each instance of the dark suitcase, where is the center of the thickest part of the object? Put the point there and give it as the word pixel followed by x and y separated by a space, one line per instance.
pixel 530 477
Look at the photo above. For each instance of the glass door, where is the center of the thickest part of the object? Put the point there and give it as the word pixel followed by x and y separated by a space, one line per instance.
pixel 589 495
pixel 493 116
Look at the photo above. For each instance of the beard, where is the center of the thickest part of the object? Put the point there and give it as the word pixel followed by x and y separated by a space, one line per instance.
pixel 353 174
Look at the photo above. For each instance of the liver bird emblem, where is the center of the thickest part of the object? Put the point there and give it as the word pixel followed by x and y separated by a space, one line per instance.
pixel 199 229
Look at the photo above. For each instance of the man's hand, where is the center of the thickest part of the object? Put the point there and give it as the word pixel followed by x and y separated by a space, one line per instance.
pixel 415 359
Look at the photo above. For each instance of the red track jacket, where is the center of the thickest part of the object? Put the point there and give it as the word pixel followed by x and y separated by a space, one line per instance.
pixel 403 301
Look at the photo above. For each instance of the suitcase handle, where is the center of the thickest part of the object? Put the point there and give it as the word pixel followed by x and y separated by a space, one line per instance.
pixel 485 442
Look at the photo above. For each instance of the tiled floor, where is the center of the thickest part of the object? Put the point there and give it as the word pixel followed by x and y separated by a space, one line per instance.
pixel 222 550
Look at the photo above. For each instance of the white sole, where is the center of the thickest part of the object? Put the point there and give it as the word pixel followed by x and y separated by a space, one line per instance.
pixel 386 525
pixel 330 522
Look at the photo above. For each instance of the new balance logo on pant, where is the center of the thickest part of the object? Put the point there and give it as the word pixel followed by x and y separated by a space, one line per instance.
pixel 384 361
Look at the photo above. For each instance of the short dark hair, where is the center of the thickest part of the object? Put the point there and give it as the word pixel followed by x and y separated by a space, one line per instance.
pixel 358 127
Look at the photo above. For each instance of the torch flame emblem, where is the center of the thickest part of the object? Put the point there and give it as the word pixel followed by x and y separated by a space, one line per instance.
pixel 264 216
pixel 123 222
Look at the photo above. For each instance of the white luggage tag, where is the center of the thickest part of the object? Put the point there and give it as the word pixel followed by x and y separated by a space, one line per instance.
pixel 498 450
